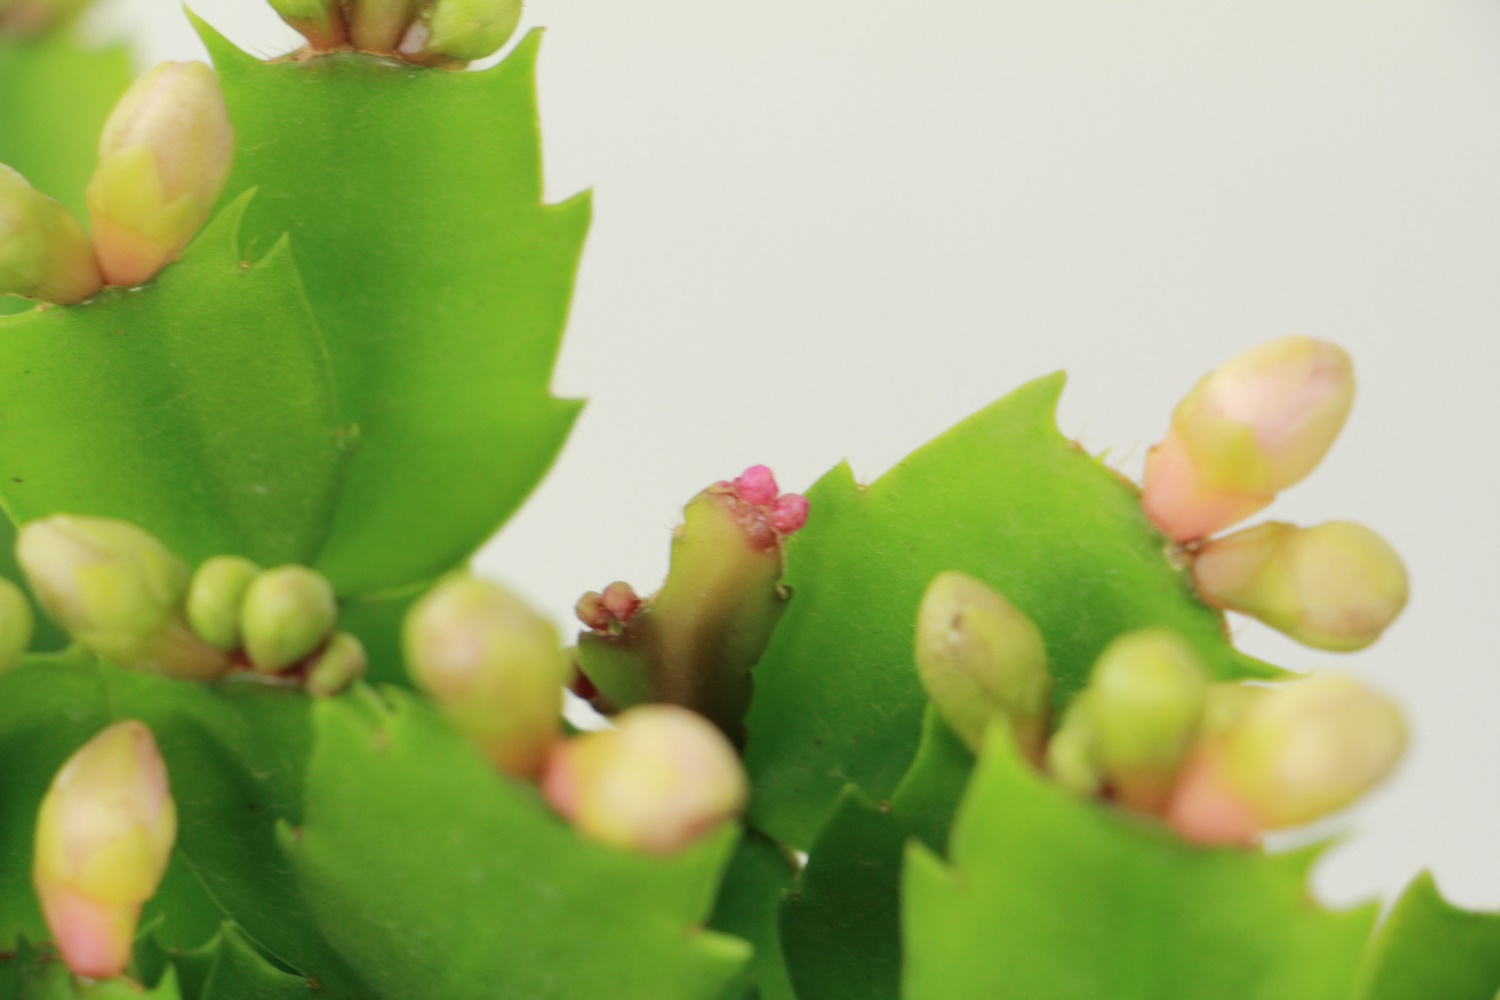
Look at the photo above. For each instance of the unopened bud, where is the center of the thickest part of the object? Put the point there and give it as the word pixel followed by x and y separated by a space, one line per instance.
pixel 1247 431
pixel 1337 586
pixel 980 658
pixel 340 663
pixel 214 599
pixel 494 665
pixel 658 781
pixel 103 838
pixel 321 22
pixel 286 614
pixel 164 159
pixel 17 623
pixel 44 252
pixel 118 591
pixel 1146 698
pixel 1300 752
pixel 379 25
pixel 1073 751
pixel 460 30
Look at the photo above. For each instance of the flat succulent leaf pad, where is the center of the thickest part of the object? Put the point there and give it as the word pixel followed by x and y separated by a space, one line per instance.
pixel 1050 897
pixel 442 283
pixel 435 876
pixel 199 407
pixel 1428 947
pixel 1003 497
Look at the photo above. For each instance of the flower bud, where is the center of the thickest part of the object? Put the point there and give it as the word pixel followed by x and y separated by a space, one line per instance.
pixel 1303 750
pixel 1073 751
pixel 214 599
pixel 118 591
pixel 978 657
pixel 340 663
pixel 1145 700
pixel 164 159
pixel 321 22
pixel 286 614
pixel 694 642
pixel 661 779
pixel 1337 586
pixel 44 252
pixel 494 665
pixel 460 30
pixel 17 624
pixel 1247 431
pixel 379 25
pixel 103 838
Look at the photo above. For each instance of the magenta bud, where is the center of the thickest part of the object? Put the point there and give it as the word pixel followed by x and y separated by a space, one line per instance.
pixel 757 486
pixel 621 601
pixel 789 513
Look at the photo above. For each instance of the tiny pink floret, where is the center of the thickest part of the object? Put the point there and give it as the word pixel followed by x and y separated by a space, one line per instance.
pixel 789 513
pixel 757 486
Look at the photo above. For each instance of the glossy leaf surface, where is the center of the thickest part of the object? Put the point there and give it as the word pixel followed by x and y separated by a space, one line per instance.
pixel 413 198
pixel 1003 497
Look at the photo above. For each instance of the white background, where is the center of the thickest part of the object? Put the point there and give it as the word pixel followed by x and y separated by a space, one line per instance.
pixel 832 228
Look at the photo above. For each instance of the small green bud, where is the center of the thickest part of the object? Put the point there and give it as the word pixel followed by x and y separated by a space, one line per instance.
pixel 379 25
pixel 337 667
pixel 215 597
pixel 44 252
pixel 979 657
pixel 658 781
pixel 17 623
pixel 1073 752
pixel 321 22
pixel 1337 586
pixel 1146 700
pixel 164 159
pixel 494 665
pixel 286 614
pixel 460 30
pixel 118 591
pixel 104 836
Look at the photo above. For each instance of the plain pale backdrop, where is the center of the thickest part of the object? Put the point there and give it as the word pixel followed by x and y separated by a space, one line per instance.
pixel 832 228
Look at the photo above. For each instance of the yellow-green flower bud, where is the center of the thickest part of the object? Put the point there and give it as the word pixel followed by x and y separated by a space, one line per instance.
pixel 979 658
pixel 460 30
pixel 1073 751
pixel 44 252
pixel 118 591
pixel 1145 701
pixel 164 159
pixel 321 22
pixel 286 614
pixel 379 25
pixel 658 781
pixel 337 667
pixel 494 665
pixel 17 624
pixel 1337 586
pixel 215 597
pixel 103 838
pixel 1247 431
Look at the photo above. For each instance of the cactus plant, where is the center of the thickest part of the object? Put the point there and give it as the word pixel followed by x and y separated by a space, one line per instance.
pixel 975 729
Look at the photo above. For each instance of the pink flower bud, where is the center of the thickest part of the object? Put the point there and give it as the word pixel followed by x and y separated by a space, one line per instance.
pixel 757 486
pixel 1337 586
pixel 789 513
pixel 657 782
pixel 103 839
pixel 1247 431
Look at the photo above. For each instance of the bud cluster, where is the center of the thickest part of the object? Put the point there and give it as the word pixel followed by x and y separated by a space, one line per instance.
pixel 694 641
pixel 446 33
pixel 125 596
pixel 1249 430
pixel 164 159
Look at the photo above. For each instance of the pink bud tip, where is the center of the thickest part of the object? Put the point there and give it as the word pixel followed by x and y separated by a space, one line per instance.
pixel 621 601
pixel 789 513
pixel 591 611
pixel 757 486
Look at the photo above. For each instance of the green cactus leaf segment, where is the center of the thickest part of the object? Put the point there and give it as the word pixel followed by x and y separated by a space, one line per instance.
pixel 199 407
pixel 1051 897
pixel 1003 497
pixel 226 968
pixel 756 882
pixel 34 972
pixel 841 932
pixel 442 283
pixel 1428 947
pixel 235 755
pixel 435 876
